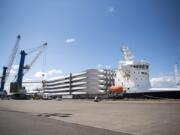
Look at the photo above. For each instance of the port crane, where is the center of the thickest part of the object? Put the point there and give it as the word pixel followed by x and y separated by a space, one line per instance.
pixel 16 87
pixel 7 69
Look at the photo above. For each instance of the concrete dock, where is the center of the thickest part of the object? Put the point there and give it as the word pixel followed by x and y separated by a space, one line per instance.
pixel 143 117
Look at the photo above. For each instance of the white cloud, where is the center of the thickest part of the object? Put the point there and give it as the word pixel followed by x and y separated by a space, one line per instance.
pixel 70 40
pixel 13 72
pixel 99 66
pixel 27 79
pixel 14 69
pixel 39 74
pixel 54 72
pixel 31 86
pixel 51 73
pixel 163 81
pixel 111 9
pixel 108 67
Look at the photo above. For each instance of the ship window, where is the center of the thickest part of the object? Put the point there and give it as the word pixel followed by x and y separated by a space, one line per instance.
pixel 146 66
pixel 145 73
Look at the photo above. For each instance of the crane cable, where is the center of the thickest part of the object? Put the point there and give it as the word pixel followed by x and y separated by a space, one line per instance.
pixel 40 51
pixel 44 65
pixel 12 56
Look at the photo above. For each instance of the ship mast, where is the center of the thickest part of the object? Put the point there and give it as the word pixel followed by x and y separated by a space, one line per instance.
pixel 127 55
pixel 177 76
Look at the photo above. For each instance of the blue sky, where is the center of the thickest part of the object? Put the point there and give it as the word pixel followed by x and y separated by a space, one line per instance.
pixel 84 33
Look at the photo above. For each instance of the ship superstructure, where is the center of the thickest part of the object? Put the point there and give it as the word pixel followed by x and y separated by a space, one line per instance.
pixel 132 75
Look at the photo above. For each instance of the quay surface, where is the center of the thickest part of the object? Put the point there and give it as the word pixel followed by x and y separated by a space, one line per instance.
pixel 138 117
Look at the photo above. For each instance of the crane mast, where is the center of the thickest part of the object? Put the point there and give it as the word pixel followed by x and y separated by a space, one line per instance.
pixel 3 79
pixel 21 67
pixel 16 87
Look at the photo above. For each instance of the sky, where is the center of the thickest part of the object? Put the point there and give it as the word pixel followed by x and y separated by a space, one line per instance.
pixel 83 34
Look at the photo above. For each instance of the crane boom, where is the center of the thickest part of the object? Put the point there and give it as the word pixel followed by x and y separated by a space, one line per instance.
pixel 6 70
pixel 41 49
pixel 12 56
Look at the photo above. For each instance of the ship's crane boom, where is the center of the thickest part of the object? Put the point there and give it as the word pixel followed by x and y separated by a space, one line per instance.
pixel 12 56
pixel 6 70
pixel 40 51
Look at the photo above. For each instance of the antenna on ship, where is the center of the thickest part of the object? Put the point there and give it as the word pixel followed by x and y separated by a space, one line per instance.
pixel 177 76
pixel 127 55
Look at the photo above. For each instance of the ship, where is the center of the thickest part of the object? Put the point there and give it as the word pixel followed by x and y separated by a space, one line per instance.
pixel 129 80
pixel 133 77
